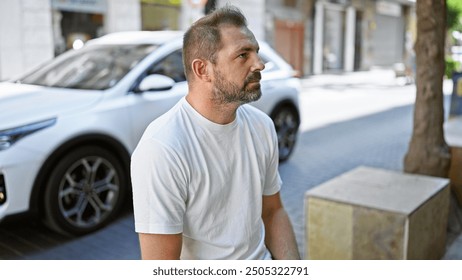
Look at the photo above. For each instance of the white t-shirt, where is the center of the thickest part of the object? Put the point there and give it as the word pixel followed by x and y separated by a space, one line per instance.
pixel 206 180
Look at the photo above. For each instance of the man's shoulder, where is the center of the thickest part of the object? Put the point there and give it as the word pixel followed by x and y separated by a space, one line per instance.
pixel 162 139
pixel 167 126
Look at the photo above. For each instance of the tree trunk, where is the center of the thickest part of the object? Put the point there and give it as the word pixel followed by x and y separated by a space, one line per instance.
pixel 428 152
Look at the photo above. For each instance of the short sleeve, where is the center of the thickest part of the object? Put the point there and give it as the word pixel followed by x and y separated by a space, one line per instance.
pixel 273 180
pixel 159 189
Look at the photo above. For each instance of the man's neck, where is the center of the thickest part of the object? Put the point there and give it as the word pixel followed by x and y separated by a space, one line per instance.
pixel 210 109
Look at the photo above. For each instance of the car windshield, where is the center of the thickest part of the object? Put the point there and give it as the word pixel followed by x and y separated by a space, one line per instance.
pixel 96 67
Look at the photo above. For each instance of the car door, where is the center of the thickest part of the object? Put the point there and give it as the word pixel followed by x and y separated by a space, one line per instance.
pixel 149 105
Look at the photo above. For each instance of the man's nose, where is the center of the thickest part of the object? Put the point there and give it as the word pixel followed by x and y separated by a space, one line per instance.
pixel 258 64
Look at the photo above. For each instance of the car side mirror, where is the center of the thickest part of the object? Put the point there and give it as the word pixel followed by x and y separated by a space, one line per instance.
pixel 156 82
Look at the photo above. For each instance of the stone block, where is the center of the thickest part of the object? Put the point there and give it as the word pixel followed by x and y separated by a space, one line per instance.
pixel 371 213
pixel 453 136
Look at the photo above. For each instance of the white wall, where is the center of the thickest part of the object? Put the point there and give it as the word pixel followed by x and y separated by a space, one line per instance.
pixel 123 15
pixel 26 39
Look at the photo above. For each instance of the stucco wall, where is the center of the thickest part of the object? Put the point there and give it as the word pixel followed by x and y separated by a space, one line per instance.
pixel 26 38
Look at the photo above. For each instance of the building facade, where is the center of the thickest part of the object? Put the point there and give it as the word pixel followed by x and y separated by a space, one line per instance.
pixel 34 31
pixel 315 36
pixel 341 35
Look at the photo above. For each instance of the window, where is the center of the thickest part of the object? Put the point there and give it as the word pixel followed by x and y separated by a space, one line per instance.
pixel 170 66
pixel 95 67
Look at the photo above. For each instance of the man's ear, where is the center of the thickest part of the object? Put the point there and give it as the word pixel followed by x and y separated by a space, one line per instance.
pixel 200 69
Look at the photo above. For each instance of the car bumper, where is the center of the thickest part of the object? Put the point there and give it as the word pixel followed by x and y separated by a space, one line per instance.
pixel 18 170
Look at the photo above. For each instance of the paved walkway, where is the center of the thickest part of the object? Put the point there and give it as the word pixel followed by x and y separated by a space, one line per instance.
pixel 361 118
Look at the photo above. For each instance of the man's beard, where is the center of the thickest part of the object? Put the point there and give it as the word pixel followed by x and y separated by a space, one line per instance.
pixel 226 92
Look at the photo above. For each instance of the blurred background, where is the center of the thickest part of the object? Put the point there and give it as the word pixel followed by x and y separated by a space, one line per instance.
pixel 314 36
pixel 356 58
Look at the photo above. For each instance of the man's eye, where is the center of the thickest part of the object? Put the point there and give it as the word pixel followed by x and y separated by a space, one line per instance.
pixel 243 55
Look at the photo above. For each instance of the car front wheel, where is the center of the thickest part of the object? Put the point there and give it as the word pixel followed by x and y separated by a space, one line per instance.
pixel 85 191
pixel 286 122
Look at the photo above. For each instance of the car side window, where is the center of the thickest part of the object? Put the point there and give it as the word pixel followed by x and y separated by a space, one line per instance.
pixel 170 66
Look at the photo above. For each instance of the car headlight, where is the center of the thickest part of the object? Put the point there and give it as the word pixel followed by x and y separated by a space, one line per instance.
pixel 9 136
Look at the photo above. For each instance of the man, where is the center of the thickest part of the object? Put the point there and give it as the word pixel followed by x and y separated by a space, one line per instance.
pixel 205 174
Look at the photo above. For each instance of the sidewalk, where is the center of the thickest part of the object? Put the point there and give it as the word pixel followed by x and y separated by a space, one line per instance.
pixel 354 98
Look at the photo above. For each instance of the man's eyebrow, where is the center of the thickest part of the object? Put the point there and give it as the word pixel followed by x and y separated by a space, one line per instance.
pixel 248 49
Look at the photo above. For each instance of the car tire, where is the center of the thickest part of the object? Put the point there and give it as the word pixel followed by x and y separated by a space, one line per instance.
pixel 85 191
pixel 286 122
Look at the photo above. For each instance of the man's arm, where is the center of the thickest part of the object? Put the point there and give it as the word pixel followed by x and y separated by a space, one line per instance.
pixel 160 246
pixel 280 237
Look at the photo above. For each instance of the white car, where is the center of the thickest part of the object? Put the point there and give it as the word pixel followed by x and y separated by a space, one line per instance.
pixel 67 129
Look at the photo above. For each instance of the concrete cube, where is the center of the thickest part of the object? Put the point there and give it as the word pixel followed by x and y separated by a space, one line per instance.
pixel 370 213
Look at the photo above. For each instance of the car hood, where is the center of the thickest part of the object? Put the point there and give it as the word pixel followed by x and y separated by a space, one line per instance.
pixel 22 104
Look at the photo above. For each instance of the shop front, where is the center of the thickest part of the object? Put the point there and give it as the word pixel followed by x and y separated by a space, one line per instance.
pixel 76 21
